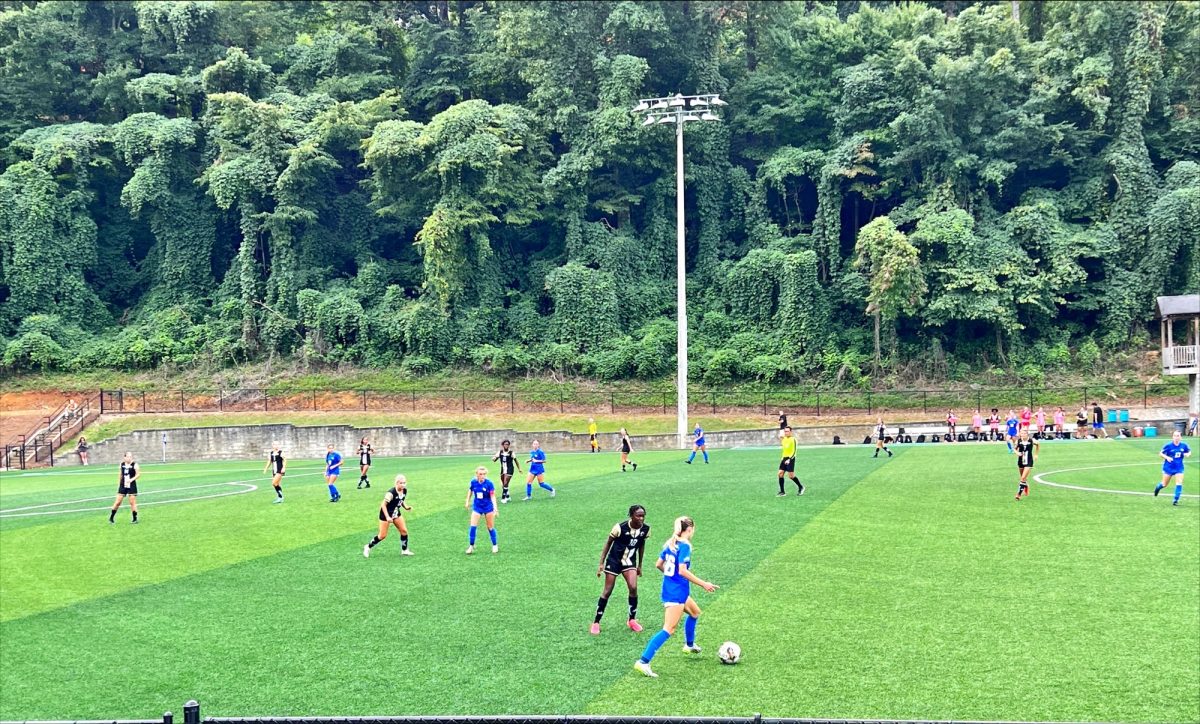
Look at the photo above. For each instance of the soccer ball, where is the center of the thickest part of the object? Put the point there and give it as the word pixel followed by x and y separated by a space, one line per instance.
pixel 729 653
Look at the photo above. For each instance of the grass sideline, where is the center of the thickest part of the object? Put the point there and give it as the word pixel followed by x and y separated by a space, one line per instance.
pixel 913 587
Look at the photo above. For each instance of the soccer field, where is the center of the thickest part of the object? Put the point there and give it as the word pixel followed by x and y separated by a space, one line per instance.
pixel 910 587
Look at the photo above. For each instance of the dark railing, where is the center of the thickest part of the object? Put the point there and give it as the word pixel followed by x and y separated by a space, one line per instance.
pixel 191 715
pixel 37 445
pixel 795 401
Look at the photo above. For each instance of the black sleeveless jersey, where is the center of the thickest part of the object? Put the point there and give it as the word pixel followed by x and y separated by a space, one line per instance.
pixel 1025 453
pixel 128 470
pixel 507 460
pixel 394 501
pixel 277 462
pixel 364 454
pixel 627 541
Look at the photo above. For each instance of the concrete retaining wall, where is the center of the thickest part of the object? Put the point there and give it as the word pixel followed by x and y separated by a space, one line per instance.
pixel 253 441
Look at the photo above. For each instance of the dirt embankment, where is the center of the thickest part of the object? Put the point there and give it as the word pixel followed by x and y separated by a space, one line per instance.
pixel 22 411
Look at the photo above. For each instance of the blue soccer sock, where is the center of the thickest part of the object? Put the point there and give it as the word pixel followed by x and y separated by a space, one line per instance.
pixel 528 490
pixel 545 487
pixel 1009 446
pixel 471 535
pixel 1178 491
pixel 492 535
pixel 654 644
pixel 1159 487
pixel 333 493
pixel 704 453
pixel 689 630
pixel 693 456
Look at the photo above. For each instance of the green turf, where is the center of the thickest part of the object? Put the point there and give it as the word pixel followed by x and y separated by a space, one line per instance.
pixel 914 587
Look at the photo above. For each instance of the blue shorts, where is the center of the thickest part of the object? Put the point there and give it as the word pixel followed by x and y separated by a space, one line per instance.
pixel 483 511
pixel 1097 425
pixel 536 469
pixel 1169 469
pixel 335 472
pixel 699 442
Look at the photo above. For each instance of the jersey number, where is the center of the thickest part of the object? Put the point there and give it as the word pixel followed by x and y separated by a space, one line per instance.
pixel 669 566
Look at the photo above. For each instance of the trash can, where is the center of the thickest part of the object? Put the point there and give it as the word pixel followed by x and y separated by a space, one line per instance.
pixel 1137 432
pixel 1181 427
pixel 1124 415
pixel 1112 415
pixel 1151 432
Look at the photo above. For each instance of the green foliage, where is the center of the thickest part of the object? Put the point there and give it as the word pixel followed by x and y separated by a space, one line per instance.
pixel 998 188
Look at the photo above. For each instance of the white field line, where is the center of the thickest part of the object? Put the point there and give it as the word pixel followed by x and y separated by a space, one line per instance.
pixel 1039 477
pixel 244 486
pixel 148 467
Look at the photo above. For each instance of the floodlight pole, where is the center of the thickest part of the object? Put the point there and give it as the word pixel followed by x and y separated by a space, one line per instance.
pixel 674 109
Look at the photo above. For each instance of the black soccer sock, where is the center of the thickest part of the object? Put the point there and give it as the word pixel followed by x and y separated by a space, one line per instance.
pixel 374 542
pixel 135 515
pixel 403 542
pixel 799 485
pixel 600 606
pixel 781 485
pixel 112 514
pixel 279 491
pixel 632 607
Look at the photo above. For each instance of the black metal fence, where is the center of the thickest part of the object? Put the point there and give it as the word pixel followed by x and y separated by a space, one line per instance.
pixel 795 401
pixel 191 715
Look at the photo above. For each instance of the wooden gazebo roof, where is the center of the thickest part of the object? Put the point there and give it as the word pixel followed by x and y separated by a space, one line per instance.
pixel 1184 305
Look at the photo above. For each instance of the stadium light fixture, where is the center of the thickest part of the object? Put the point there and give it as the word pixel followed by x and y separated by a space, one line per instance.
pixel 675 109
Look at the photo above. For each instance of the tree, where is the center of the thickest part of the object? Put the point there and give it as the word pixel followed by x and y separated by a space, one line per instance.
pixel 893 269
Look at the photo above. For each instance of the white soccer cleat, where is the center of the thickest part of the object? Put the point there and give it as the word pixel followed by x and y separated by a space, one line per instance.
pixel 552 492
pixel 366 551
pixel 495 549
pixel 277 501
pixel 693 649
pixel 645 669
pixel 470 550
pixel 406 552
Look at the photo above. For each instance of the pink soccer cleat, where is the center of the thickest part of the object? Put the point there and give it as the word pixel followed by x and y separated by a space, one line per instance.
pixel 634 626
pixel 595 629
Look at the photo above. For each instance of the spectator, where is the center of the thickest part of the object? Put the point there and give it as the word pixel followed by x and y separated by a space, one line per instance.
pixel 82 448
pixel 1098 421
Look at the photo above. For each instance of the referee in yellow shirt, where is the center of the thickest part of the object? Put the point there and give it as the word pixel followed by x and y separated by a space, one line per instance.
pixel 592 434
pixel 788 462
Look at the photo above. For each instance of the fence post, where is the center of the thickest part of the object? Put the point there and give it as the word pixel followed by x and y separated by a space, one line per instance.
pixel 464 401
pixel 714 401
pixel 182 402
pixel 168 718
pixel 818 403
pixel 266 408
pixel 664 403
pixel 221 407
pixel 869 408
pixel 191 712
pixel 414 400
pixel 925 401
pixel 364 400
pixel 1031 399
pixel 1145 396
pixel 560 400
pixel 101 401
pixel 1084 404
pixel 143 401
pixel 764 403
pixel 978 401
pixel 314 399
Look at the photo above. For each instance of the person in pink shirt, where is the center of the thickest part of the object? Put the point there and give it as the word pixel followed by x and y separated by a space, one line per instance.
pixel 1041 421
pixel 977 424
pixel 1026 418
pixel 1058 421
pixel 951 423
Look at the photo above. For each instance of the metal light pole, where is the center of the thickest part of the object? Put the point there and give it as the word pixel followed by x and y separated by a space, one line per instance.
pixel 679 109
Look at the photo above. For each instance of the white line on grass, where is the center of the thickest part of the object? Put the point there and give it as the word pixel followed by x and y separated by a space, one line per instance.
pixel 244 486
pixel 1038 477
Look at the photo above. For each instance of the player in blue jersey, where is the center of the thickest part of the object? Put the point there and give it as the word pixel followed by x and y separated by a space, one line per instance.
pixel 537 471
pixel 675 562
pixel 481 501
pixel 698 445
pixel 1173 454
pixel 1011 423
pixel 333 468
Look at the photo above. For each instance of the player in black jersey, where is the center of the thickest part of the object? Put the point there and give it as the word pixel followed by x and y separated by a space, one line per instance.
pixel 508 464
pixel 881 438
pixel 390 513
pixel 626 449
pixel 364 462
pixel 1027 452
pixel 276 464
pixel 126 485
pixel 622 556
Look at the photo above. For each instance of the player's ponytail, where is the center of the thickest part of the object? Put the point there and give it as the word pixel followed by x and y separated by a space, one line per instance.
pixel 682 524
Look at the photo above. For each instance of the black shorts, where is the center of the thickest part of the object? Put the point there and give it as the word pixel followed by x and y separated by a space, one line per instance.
pixel 130 489
pixel 384 519
pixel 1023 467
pixel 509 471
pixel 278 472
pixel 625 449
pixel 615 567
pixel 787 465
pixel 364 460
